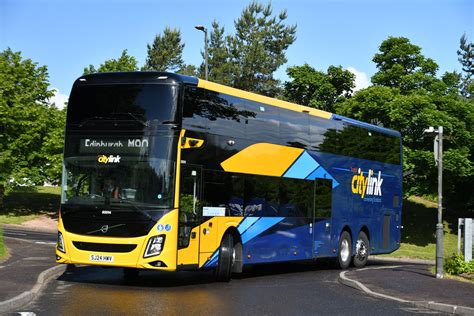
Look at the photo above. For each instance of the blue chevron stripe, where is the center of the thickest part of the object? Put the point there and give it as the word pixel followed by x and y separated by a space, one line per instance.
pixel 213 260
pixel 259 227
pixel 246 223
pixel 301 167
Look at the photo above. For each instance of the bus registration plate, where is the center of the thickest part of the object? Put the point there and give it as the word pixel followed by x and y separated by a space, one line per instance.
pixel 101 258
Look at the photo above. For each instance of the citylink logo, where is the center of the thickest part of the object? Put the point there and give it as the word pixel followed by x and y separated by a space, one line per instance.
pixel 110 159
pixel 367 186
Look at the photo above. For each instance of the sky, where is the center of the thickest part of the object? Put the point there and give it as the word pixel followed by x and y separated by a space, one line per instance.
pixel 67 36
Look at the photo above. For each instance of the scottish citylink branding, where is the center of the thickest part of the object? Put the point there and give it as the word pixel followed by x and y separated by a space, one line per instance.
pixel 108 159
pixel 368 186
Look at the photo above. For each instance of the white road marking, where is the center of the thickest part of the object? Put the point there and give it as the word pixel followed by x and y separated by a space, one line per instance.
pixel 18 234
pixel 36 258
pixel 45 242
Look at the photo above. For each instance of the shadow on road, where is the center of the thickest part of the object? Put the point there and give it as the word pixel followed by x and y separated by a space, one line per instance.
pixel 152 278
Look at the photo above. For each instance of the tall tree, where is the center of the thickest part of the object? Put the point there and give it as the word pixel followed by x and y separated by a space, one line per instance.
pixel 401 65
pixel 165 54
pixel 466 58
pixel 409 98
pixel 219 67
pixel 258 48
pixel 318 89
pixel 27 122
pixel 124 63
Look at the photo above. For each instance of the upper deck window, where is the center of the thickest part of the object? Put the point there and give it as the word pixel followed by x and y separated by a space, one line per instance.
pixel 140 104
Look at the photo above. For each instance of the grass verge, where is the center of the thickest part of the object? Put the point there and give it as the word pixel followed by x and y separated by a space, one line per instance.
pixel 3 251
pixel 26 204
pixel 419 217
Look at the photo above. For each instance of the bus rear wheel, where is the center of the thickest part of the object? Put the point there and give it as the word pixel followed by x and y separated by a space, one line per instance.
pixel 226 259
pixel 361 250
pixel 344 256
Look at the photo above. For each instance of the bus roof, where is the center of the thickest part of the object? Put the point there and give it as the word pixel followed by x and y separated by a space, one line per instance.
pixel 172 78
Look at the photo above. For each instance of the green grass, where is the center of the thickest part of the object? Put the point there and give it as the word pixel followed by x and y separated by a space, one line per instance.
pixel 27 204
pixel 3 251
pixel 419 219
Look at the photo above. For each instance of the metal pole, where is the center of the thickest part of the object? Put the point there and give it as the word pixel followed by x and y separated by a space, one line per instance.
pixel 439 226
pixel 205 53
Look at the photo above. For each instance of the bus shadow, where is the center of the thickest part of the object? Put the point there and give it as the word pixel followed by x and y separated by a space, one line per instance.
pixel 159 279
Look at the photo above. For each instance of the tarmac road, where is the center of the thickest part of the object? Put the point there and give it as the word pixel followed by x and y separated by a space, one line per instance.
pixel 36 236
pixel 283 289
pixel 295 289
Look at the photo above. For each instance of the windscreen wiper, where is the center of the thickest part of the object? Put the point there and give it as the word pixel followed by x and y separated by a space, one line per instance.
pixel 133 116
pixel 91 120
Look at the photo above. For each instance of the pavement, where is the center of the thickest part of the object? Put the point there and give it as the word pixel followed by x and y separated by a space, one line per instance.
pixel 31 264
pixel 411 282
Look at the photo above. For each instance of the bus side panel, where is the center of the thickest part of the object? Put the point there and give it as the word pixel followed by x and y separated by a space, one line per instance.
pixel 275 239
pixel 369 195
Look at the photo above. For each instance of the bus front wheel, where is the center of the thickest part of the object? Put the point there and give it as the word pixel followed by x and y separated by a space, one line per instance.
pixel 345 250
pixel 226 259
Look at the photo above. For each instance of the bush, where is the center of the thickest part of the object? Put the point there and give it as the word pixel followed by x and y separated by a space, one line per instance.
pixel 456 265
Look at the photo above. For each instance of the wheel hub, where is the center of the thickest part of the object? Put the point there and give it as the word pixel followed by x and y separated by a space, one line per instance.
pixel 344 250
pixel 361 250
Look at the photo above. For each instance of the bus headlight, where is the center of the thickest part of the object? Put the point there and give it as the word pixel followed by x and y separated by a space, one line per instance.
pixel 154 246
pixel 60 243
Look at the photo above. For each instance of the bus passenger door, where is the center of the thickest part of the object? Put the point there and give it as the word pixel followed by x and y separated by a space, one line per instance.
pixel 322 218
pixel 189 215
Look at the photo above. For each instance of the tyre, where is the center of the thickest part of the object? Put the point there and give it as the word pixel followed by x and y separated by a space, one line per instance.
pixel 226 259
pixel 361 254
pixel 344 256
pixel 130 274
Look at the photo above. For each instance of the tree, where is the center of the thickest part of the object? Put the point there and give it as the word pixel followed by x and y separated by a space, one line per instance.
pixel 258 48
pixel 124 63
pixel 466 58
pixel 220 69
pixel 165 54
pixel 409 97
pixel 28 150
pixel 318 89
pixel 189 70
pixel 401 65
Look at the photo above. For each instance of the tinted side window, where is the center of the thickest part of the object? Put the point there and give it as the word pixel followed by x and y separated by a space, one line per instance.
pixel 261 196
pixel 323 198
pixel 366 144
pixel 322 134
pixel 296 197
pixel 263 122
pixel 213 112
pixel 294 128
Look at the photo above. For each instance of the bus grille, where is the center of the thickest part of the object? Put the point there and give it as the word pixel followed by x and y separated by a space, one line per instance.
pixel 89 246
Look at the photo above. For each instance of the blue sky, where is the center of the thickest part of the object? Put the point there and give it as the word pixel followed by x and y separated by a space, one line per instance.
pixel 69 35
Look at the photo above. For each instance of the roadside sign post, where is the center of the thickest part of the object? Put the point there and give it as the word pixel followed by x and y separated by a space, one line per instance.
pixel 439 226
pixel 438 153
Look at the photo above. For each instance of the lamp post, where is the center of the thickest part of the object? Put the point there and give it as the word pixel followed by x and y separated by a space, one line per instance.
pixel 438 153
pixel 202 28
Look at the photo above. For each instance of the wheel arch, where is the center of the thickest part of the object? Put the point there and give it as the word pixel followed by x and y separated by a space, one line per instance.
pixel 347 229
pixel 365 229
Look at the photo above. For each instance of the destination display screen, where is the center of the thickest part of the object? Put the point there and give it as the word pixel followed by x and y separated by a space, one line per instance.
pixel 95 145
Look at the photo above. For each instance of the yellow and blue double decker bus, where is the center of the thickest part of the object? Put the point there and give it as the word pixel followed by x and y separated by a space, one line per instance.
pixel 169 172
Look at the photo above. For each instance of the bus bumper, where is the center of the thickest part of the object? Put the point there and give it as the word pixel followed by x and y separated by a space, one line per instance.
pixel 119 252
